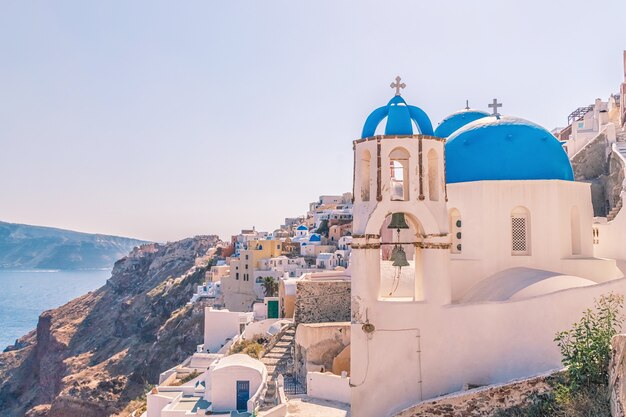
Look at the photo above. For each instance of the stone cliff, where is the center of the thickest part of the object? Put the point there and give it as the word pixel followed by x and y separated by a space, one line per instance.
pixel 93 355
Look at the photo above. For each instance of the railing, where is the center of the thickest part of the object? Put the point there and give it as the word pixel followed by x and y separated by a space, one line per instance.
pixel 579 113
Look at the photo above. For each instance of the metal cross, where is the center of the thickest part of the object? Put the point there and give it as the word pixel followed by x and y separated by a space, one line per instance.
pixel 398 85
pixel 495 106
pixel 467 107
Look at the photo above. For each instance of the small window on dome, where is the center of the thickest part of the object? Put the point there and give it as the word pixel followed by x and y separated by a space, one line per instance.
pixel 520 232
pixel 455 231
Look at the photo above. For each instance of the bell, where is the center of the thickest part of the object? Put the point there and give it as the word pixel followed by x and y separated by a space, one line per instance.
pixel 398 221
pixel 398 256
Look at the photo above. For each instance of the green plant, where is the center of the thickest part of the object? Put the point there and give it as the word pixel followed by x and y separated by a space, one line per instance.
pixel 270 287
pixel 250 347
pixel 562 402
pixel 586 347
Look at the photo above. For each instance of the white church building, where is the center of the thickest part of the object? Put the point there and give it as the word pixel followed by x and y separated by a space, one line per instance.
pixel 472 246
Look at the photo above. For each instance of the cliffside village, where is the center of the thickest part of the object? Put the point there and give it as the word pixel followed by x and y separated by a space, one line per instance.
pixel 463 250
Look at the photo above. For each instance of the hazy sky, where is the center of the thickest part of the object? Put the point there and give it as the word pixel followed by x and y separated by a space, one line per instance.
pixel 162 120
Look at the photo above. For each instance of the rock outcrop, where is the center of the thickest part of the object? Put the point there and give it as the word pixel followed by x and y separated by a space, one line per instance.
pixel 93 355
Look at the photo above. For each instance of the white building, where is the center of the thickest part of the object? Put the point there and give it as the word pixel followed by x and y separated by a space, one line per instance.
pixel 218 271
pixel 499 253
pixel 327 260
pixel 222 326
pixel 587 122
pixel 235 382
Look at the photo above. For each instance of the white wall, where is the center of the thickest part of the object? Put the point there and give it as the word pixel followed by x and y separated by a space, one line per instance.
pixel 224 386
pixel 611 235
pixel 485 209
pixel 156 403
pixel 446 347
pixel 328 386
pixel 258 328
pixel 219 325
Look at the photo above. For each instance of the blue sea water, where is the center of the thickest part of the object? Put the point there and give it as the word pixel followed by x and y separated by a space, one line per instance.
pixel 24 295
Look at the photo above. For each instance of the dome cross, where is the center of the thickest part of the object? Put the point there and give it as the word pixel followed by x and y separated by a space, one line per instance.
pixel 495 106
pixel 398 85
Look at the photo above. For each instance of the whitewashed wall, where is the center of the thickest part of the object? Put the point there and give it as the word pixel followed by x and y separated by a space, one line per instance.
pixel 485 209
pixel 328 386
pixel 446 347
pixel 219 325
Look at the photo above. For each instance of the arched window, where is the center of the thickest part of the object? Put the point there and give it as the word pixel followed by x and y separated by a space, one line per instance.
pixel 366 159
pixel 520 231
pixel 433 175
pixel 455 231
pixel 575 230
pixel 399 174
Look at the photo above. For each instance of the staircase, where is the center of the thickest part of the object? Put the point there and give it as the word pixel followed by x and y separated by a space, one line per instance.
pixel 621 146
pixel 278 360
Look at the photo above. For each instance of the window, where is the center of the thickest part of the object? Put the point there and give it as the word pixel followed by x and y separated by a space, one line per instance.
pixel 236 275
pixel 575 230
pixel 365 175
pixel 399 175
pixel 581 125
pixel 246 259
pixel 455 231
pixel 520 232
pixel 433 175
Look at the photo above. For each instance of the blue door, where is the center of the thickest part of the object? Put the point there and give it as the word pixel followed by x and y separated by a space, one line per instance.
pixel 243 395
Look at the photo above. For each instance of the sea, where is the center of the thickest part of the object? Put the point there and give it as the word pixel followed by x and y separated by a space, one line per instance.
pixel 25 294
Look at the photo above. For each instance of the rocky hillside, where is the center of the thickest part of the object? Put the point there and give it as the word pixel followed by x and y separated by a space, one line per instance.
pixel 90 357
pixel 32 247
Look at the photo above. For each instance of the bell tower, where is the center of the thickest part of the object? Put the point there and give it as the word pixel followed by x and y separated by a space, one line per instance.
pixel 400 252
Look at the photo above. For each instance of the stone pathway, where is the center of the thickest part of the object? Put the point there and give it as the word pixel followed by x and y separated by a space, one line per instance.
pixel 276 359
pixel 303 406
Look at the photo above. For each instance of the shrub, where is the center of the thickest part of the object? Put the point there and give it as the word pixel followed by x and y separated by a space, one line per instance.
pixel 586 347
pixel 586 350
pixel 249 347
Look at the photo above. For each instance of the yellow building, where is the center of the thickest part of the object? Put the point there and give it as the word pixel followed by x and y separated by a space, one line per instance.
pixel 238 287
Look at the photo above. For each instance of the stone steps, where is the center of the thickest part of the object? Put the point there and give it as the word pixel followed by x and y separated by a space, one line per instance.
pixel 278 355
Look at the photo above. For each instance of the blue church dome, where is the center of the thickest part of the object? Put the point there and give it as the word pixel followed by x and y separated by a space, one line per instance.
pixel 506 148
pixel 315 238
pixel 457 120
pixel 399 117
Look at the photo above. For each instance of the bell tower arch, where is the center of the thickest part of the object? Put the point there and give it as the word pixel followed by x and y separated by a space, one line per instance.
pixel 400 251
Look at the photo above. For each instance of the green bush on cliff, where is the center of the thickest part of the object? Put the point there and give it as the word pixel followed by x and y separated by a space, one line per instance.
pixel 586 347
